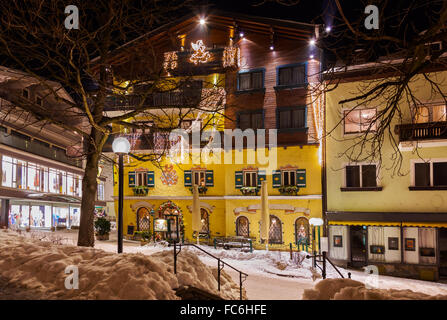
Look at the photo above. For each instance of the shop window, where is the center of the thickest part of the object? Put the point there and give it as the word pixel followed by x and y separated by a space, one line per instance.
pixel 430 174
pixel 361 176
pixel 338 241
pixel 292 75
pixel 242 227
pixel 357 121
pixel 101 191
pixel 251 120
pixel 393 243
pixel 7 172
pixel 410 244
pixel 250 80
pixel 430 113
pixel 377 249
pixel 291 118
pixel 275 230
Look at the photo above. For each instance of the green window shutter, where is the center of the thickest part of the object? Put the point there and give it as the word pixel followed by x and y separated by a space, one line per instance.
pixel 261 177
pixel 188 178
pixel 150 179
pixel 276 176
pixel 239 181
pixel 301 178
pixel 132 179
pixel 209 178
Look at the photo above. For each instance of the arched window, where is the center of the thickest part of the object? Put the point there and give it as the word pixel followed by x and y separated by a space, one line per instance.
pixel 302 235
pixel 275 231
pixel 205 221
pixel 242 227
pixel 143 219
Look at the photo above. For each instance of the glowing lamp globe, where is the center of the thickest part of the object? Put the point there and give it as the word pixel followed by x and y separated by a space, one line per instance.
pixel 316 222
pixel 202 21
pixel 121 145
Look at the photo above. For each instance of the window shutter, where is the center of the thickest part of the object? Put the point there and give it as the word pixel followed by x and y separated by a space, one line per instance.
pixel 276 175
pixel 261 177
pixel 150 179
pixel 188 178
pixel 132 179
pixel 209 178
pixel 239 181
pixel 301 178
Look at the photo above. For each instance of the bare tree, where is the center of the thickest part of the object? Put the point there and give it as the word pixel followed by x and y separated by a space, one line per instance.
pixel 33 39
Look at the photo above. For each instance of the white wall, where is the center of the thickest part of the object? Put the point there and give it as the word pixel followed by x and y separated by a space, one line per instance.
pixel 339 253
pixel 411 256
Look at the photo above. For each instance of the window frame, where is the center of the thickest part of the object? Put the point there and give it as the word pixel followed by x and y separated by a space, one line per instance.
pixel 139 174
pixel 251 113
pixel 193 177
pixel 413 174
pixel 250 71
pixel 378 186
pixel 292 65
pixel 290 109
pixel 282 177
pixel 344 110
pixel 250 171
pixel 429 106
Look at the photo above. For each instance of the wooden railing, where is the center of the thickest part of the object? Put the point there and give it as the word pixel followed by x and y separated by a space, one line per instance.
pixel 422 131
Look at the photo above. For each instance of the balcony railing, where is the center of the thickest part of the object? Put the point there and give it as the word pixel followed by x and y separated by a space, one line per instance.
pixel 162 99
pixel 422 131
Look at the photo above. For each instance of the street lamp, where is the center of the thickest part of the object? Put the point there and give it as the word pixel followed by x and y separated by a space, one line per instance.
pixel 120 146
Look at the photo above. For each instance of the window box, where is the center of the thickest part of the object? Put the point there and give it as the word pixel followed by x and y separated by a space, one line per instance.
pixel 140 191
pixel 246 191
pixel 289 190
pixel 202 189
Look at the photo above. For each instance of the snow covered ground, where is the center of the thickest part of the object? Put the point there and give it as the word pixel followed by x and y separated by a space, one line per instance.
pixel 272 275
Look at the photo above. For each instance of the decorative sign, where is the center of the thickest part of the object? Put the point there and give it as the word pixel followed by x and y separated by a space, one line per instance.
pixel 393 243
pixel 200 54
pixel 410 244
pixel 377 249
pixel 169 175
pixel 170 62
pixel 160 225
pixel 338 241
pixel 231 57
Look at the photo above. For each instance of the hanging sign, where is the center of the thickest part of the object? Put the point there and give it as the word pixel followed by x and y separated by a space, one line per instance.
pixel 160 225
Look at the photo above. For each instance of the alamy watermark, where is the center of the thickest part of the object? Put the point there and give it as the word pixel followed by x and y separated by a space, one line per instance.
pixel 372 20
pixel 72 20
pixel 72 280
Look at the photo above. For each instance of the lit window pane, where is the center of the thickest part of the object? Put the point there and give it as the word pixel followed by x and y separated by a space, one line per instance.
pixel 367 119
pixel 422 115
pixel 439 113
pixel 352 121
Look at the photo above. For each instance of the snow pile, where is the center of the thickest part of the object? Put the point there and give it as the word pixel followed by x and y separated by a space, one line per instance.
pixel 347 289
pixel 39 267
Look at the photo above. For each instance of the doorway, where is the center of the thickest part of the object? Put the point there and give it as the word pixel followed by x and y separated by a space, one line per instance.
pixel 173 231
pixel 443 252
pixel 359 236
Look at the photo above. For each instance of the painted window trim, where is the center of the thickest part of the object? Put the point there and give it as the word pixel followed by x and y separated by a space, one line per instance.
pixel 378 180
pixel 413 177
pixel 288 86
pixel 278 109
pixel 238 119
pixel 262 70
pixel 351 134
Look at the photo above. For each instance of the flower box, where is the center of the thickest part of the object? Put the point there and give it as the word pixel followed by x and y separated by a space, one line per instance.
pixel 140 191
pixel 202 189
pixel 289 190
pixel 247 191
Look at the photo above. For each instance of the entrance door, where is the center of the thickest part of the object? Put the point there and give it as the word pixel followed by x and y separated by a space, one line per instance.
pixel 173 231
pixel 143 219
pixel 442 252
pixel 358 246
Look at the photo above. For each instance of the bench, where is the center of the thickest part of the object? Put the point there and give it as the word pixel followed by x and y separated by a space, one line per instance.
pixel 245 244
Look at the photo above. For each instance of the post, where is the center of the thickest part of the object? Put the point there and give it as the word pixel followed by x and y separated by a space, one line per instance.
pixel 175 258
pixel 240 286
pixel 218 274
pixel 319 246
pixel 120 202
pixel 290 245
pixel 215 246
pixel 251 246
pixel 324 265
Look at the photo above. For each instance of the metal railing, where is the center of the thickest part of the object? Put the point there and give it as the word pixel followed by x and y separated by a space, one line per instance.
pixel 220 265
pixel 324 264
pixel 422 131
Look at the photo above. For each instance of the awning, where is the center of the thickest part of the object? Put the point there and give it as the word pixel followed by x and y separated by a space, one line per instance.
pixel 390 224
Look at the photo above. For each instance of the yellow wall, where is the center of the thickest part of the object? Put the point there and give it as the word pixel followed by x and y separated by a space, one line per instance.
pixel 395 195
pixel 222 216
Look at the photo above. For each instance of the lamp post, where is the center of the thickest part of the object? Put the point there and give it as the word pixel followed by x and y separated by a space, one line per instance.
pixel 120 146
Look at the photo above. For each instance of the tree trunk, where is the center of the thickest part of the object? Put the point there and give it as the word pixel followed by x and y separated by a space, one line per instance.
pixel 86 236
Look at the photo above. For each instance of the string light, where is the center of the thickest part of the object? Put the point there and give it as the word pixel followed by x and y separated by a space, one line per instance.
pixel 272 47
pixel 202 21
pixel 328 29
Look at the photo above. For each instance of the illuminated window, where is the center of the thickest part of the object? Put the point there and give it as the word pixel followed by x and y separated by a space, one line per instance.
pixel 356 121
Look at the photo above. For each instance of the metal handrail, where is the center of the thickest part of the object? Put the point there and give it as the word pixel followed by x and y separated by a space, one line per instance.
pixel 323 269
pixel 219 262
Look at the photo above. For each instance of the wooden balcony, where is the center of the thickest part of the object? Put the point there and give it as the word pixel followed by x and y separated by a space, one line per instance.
pixel 422 131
